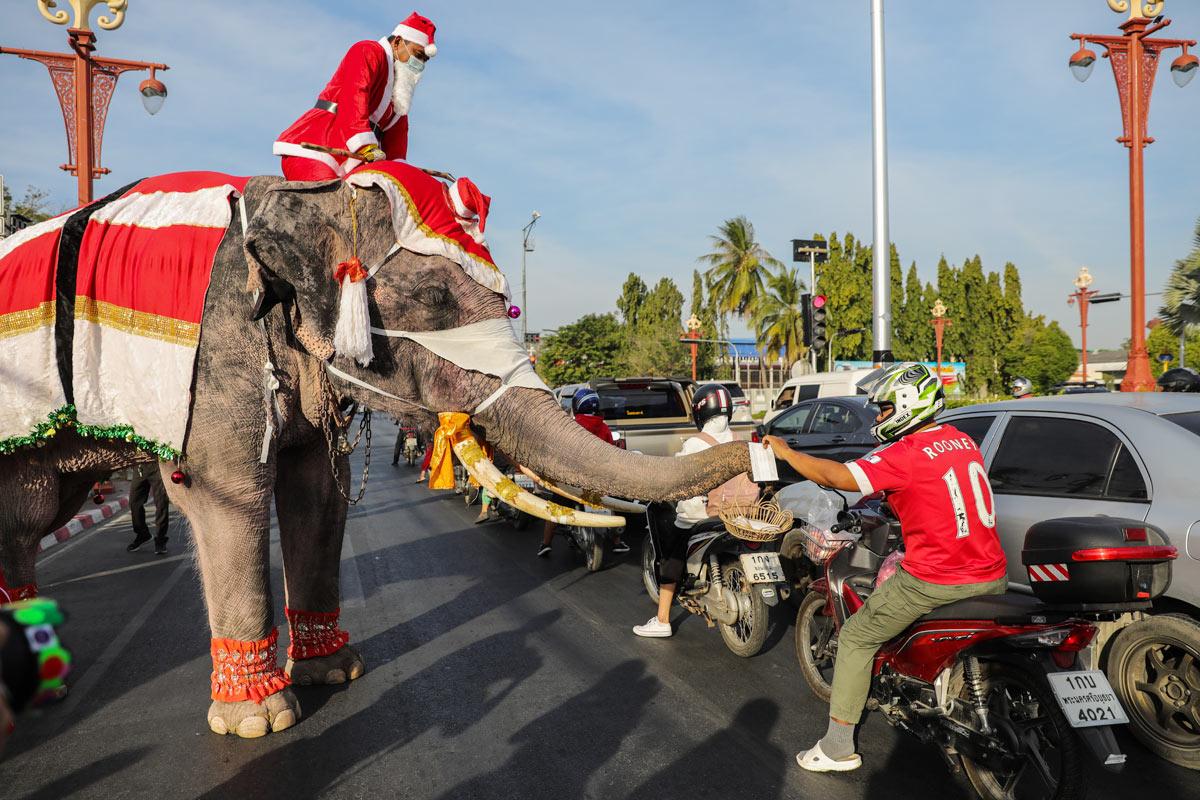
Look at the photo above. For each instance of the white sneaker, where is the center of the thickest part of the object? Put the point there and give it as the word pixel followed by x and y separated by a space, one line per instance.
pixel 653 629
pixel 815 760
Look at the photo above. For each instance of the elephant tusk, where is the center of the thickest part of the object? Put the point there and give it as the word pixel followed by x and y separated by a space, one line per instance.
pixel 477 463
pixel 586 498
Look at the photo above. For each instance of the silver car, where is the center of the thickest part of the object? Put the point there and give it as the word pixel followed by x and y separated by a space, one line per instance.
pixel 1121 455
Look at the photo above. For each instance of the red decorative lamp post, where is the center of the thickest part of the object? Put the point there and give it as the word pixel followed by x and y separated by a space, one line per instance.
pixel 939 323
pixel 1083 296
pixel 1134 57
pixel 693 333
pixel 85 82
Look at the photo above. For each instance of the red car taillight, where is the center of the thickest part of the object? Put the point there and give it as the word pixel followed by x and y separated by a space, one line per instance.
pixel 754 437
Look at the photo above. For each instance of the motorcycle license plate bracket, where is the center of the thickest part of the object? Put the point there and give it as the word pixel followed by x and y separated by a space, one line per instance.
pixel 1087 698
pixel 762 567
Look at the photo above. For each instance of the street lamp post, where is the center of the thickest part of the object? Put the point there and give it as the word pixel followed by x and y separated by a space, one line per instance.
pixel 1083 296
pixel 526 248
pixel 939 323
pixel 1134 59
pixel 85 82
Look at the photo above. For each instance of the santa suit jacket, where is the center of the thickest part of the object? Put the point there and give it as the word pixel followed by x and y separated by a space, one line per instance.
pixel 354 109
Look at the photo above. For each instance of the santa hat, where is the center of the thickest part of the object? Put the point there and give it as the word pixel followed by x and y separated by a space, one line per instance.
pixel 420 30
pixel 469 202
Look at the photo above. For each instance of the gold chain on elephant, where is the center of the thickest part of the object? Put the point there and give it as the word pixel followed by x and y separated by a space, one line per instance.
pixel 335 451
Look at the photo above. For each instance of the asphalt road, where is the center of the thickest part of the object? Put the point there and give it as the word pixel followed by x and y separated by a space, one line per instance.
pixel 491 674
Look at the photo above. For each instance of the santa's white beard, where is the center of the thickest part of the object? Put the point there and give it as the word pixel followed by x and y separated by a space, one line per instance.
pixel 403 86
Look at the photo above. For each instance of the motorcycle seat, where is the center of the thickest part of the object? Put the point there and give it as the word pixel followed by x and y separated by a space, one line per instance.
pixel 1010 605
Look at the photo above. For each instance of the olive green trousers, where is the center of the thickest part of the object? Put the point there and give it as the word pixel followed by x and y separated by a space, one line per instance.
pixel 891 608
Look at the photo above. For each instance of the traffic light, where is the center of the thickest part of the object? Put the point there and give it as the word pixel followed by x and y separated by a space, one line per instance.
pixel 817 340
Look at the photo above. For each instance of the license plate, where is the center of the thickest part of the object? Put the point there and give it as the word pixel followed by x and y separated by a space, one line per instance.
pixel 762 567
pixel 607 512
pixel 524 481
pixel 411 441
pixel 1087 698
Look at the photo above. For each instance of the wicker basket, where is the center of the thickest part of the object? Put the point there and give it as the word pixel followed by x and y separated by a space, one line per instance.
pixel 821 545
pixel 759 521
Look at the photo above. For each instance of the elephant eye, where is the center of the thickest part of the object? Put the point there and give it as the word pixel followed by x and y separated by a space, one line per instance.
pixel 435 298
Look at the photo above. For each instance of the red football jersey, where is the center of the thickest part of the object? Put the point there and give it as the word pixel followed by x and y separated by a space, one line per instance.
pixel 936 483
pixel 596 424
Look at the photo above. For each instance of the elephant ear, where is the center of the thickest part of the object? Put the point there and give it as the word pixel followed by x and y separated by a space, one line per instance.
pixel 291 244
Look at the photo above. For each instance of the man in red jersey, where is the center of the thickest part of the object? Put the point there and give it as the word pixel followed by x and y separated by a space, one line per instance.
pixel 364 107
pixel 934 479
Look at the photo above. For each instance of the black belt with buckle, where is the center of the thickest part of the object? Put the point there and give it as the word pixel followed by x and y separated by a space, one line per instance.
pixel 326 105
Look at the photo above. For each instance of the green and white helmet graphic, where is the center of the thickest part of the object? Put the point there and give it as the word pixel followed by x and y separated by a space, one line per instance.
pixel 914 391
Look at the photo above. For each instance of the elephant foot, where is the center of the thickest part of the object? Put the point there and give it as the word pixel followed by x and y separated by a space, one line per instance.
pixel 338 667
pixel 250 720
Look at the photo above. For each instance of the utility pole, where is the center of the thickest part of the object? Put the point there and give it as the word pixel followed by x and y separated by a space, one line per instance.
pixel 526 248
pixel 881 324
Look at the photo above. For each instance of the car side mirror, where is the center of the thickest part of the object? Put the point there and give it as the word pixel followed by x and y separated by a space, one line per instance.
pixel 760 430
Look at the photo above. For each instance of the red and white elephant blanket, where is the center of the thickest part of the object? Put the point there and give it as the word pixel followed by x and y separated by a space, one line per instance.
pixel 100 312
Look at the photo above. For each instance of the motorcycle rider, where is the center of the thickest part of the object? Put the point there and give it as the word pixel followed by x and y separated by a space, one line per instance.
pixel 1180 379
pixel 934 479
pixel 585 405
pixel 712 409
pixel 1021 388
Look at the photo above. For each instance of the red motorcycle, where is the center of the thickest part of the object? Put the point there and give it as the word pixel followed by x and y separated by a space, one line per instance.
pixel 994 682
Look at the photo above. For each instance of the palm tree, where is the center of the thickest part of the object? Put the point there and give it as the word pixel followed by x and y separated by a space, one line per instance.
pixel 779 318
pixel 738 266
pixel 1181 298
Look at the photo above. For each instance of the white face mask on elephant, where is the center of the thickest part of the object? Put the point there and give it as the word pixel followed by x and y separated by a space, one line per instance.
pixel 489 347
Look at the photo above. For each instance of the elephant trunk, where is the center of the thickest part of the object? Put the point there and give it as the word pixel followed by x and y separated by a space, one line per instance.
pixel 531 429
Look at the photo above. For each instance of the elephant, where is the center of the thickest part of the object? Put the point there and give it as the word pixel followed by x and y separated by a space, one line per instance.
pixel 280 269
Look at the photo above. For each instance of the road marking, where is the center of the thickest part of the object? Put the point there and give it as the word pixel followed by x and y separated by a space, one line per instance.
pixel 75 541
pixel 116 648
pixel 156 562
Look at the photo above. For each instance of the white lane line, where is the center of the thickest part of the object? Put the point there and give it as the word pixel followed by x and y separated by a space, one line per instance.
pixel 351 581
pixel 156 562
pixel 94 673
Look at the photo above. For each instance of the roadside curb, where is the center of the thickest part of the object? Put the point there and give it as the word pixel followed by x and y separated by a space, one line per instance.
pixel 83 521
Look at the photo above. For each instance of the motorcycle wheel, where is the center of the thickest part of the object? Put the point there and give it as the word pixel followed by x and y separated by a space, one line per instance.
pixel 590 545
pixel 1154 665
pixel 816 645
pixel 1026 715
pixel 520 521
pixel 649 575
pixel 412 459
pixel 745 637
pixel 470 494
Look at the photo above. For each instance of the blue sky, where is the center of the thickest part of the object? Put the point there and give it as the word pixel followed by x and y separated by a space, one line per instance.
pixel 635 128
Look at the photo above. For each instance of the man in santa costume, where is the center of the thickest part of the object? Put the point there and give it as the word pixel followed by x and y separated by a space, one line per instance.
pixel 364 107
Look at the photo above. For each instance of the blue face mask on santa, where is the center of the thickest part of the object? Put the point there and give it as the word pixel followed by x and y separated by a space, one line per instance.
pixel 415 64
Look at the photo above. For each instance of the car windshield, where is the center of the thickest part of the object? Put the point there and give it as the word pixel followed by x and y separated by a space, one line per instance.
pixel 1189 420
pixel 735 390
pixel 640 401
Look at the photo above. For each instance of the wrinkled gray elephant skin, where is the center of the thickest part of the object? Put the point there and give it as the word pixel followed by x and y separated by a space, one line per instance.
pixel 298 232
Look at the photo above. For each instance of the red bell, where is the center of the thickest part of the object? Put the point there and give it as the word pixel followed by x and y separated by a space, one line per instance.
pixel 178 476
pixel 97 498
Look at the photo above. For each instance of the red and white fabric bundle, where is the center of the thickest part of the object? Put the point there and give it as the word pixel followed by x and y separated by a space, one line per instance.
pixel 100 309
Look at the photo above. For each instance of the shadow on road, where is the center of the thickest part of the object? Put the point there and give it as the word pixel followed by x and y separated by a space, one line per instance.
pixel 711 768
pixel 485 673
pixel 561 750
pixel 77 781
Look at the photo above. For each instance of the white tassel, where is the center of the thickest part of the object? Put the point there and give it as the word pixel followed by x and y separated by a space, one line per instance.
pixel 352 335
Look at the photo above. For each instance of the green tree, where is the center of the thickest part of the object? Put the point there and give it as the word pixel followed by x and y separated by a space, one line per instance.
pixel 914 320
pixel 633 295
pixel 1162 341
pixel 1042 353
pixel 846 281
pixel 654 347
pixel 585 349
pixel 740 267
pixel 706 353
pixel 1180 310
pixel 34 206
pixel 779 321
